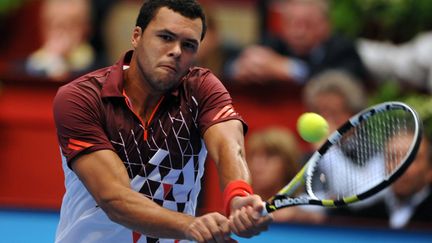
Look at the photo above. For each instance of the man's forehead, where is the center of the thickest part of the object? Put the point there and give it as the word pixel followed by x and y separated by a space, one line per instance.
pixel 166 18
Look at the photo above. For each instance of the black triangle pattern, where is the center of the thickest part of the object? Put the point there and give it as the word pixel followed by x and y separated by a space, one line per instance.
pixel 164 171
pixel 152 240
pixel 181 207
pixel 149 168
pixel 132 168
pixel 177 125
pixel 196 162
pixel 180 180
pixel 145 189
pixel 154 186
pixel 195 174
pixel 184 145
pixel 166 162
pixel 186 159
pixel 188 196
pixel 159 202
pixel 170 195
pixel 188 149
pixel 143 172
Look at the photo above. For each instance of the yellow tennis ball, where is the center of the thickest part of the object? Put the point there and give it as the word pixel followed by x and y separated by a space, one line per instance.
pixel 312 127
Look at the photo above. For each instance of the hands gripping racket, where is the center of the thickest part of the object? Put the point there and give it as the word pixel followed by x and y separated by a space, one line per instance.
pixel 357 160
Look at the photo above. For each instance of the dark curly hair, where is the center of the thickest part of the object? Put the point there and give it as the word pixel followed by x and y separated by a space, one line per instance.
pixel 188 8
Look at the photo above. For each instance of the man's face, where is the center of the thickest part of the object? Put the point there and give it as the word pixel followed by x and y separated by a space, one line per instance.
pixel 166 49
pixel 305 26
pixel 417 174
pixel 332 106
pixel 65 25
pixel 268 171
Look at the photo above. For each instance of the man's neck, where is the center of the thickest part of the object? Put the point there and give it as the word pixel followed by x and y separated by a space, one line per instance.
pixel 142 100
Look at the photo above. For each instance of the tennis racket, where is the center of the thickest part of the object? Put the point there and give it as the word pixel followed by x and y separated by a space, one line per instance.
pixel 357 160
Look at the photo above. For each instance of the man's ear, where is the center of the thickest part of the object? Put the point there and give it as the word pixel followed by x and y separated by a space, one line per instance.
pixel 136 36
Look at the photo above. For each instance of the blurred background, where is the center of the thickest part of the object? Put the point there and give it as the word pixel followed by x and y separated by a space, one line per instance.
pixel 379 50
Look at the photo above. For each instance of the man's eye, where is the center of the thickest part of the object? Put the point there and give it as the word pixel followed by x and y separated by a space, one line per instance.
pixel 166 37
pixel 190 46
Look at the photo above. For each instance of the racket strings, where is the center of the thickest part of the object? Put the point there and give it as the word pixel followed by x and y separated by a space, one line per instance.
pixel 364 156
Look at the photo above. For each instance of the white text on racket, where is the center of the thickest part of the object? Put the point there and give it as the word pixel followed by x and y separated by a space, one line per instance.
pixel 290 201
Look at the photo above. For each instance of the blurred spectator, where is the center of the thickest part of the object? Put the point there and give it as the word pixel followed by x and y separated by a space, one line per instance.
pixel 410 62
pixel 408 202
pixel 304 47
pixel 336 95
pixel 273 158
pixel 65 26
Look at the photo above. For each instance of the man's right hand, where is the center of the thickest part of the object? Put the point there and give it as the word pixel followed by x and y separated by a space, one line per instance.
pixel 246 219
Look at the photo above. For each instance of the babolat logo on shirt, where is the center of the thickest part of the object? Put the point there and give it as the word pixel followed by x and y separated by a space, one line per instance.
pixel 290 201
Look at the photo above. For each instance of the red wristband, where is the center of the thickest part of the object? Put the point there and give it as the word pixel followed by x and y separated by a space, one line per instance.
pixel 233 189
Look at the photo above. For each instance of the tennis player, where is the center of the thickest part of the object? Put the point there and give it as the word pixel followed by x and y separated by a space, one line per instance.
pixel 134 138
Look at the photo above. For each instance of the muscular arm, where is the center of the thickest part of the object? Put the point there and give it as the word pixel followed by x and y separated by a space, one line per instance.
pixel 225 144
pixel 105 177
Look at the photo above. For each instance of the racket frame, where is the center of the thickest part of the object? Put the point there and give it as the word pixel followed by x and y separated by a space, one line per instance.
pixel 304 177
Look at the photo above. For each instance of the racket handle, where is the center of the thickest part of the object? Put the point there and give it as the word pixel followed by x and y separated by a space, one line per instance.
pixel 264 212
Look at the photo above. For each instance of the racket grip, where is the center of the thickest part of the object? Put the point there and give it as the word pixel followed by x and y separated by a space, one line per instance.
pixel 264 212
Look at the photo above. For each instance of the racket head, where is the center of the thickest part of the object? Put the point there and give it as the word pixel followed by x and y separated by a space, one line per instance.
pixel 358 160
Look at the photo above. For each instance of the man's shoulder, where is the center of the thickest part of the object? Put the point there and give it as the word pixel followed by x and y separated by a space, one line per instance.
pixel 197 75
pixel 94 79
pixel 197 72
pixel 86 88
pixel 201 80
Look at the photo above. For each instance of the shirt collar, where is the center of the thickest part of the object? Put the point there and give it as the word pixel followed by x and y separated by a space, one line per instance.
pixel 413 201
pixel 400 213
pixel 114 83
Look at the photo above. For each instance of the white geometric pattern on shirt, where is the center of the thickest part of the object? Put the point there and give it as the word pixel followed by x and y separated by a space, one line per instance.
pixel 167 183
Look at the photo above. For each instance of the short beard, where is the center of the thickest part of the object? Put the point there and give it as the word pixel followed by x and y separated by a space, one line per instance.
pixel 157 85
pixel 160 86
